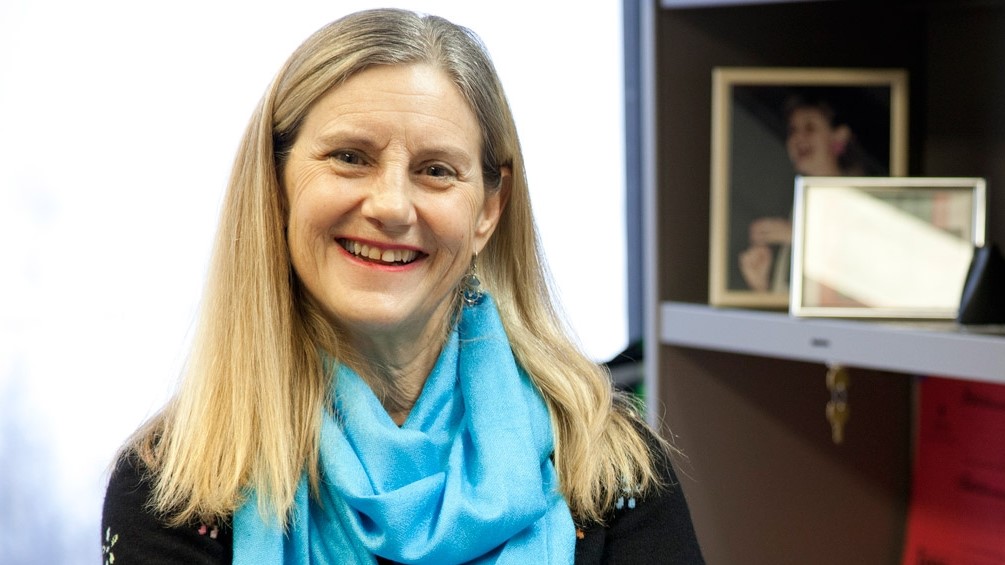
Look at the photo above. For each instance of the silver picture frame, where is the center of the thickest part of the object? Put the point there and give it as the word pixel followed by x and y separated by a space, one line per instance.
pixel 884 247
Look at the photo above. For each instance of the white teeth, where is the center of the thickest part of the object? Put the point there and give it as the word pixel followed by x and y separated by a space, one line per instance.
pixel 388 256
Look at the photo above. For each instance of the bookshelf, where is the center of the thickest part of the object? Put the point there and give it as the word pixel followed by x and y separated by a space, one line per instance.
pixel 742 392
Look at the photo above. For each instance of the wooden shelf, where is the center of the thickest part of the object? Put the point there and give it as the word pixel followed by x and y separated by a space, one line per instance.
pixel 925 348
pixel 742 392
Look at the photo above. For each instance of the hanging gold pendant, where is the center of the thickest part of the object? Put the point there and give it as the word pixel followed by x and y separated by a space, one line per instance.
pixel 837 407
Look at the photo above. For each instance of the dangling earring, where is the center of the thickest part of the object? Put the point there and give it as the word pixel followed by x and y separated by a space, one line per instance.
pixel 471 286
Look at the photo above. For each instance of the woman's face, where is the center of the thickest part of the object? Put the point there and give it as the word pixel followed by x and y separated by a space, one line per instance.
pixel 813 145
pixel 386 200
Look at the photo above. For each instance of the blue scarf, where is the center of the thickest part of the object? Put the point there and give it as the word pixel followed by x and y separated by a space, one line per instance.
pixel 467 479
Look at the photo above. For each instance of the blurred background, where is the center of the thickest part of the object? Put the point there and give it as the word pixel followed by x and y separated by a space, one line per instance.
pixel 119 124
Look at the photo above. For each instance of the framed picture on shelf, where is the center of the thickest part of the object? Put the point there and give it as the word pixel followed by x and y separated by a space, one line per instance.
pixel 884 247
pixel 770 125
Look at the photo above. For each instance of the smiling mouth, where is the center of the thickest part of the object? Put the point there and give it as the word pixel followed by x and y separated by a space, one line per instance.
pixel 375 254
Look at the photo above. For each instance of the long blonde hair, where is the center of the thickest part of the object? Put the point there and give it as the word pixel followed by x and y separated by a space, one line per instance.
pixel 248 411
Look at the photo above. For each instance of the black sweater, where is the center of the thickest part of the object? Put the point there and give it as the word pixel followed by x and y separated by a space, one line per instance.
pixel 655 529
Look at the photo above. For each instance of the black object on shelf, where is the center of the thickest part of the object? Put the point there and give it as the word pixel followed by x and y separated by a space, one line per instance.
pixel 983 299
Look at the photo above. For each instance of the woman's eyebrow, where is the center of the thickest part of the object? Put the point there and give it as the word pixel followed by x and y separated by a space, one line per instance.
pixel 347 137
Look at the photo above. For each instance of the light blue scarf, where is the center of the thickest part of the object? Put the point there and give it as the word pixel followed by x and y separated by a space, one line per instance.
pixel 467 479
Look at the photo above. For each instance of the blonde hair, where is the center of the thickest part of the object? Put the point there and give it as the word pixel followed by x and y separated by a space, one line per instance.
pixel 248 411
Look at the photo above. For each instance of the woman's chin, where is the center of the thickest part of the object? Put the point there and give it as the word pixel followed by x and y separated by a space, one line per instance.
pixel 392 321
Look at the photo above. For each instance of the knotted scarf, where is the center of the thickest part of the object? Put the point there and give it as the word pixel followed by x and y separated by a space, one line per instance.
pixel 467 479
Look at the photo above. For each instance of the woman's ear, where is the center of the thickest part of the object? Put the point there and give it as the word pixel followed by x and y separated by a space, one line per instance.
pixel 839 140
pixel 492 208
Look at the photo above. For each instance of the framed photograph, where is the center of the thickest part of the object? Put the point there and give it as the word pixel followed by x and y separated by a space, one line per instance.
pixel 884 247
pixel 770 125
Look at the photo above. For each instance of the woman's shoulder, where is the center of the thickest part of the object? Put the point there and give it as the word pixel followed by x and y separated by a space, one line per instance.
pixel 644 527
pixel 132 532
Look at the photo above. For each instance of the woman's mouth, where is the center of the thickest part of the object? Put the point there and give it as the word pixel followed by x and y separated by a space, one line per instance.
pixel 377 254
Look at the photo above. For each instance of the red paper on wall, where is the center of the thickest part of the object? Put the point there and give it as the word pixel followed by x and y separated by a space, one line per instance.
pixel 957 508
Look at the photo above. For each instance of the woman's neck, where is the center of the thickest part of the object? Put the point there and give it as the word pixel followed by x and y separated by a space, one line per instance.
pixel 396 367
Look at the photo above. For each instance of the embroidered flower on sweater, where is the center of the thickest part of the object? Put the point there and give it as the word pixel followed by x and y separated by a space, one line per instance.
pixel 106 547
pixel 213 531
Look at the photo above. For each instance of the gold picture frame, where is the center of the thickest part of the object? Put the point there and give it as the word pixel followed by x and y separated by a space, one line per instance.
pixel 874 247
pixel 761 120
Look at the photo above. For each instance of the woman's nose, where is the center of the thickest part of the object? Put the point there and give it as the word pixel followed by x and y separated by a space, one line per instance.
pixel 389 203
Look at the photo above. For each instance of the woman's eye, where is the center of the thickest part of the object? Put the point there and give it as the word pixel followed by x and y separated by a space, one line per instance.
pixel 438 171
pixel 347 157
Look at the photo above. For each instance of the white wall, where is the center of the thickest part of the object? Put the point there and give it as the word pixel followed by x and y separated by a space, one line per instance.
pixel 120 120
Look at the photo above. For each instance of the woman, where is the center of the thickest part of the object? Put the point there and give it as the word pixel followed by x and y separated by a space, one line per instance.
pixel 819 143
pixel 379 375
